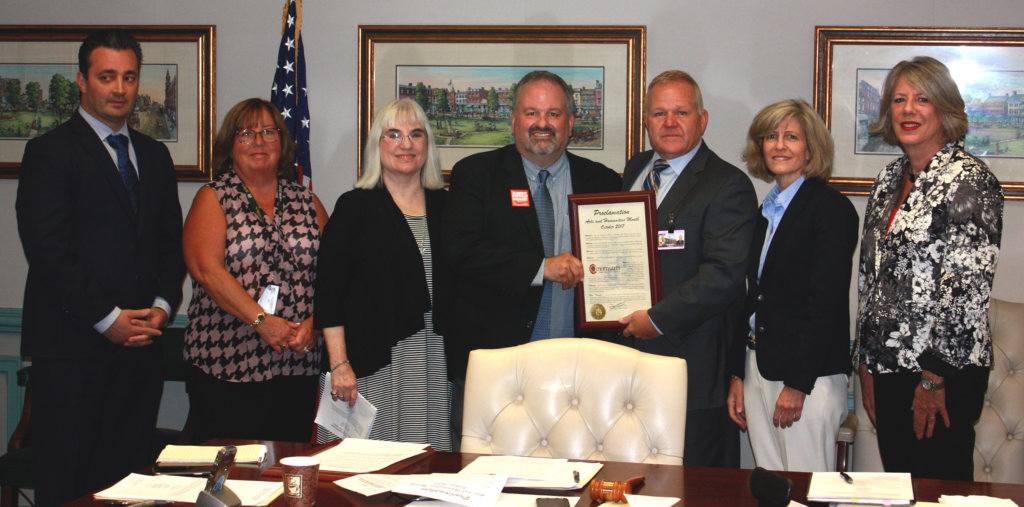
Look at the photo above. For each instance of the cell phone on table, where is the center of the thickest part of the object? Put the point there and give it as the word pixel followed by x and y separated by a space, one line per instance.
pixel 221 469
pixel 552 502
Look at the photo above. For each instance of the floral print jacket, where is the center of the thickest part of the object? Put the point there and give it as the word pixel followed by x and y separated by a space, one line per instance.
pixel 925 286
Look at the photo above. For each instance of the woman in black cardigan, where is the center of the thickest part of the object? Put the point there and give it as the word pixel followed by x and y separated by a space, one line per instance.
pixel 381 288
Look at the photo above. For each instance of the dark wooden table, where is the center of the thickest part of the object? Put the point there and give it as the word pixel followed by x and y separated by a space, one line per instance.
pixel 697 486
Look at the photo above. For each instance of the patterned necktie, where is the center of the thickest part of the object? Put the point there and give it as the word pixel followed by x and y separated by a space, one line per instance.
pixel 546 220
pixel 125 167
pixel 653 180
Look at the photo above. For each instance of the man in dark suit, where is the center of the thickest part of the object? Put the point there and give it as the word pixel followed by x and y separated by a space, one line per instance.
pixel 713 205
pixel 100 224
pixel 511 287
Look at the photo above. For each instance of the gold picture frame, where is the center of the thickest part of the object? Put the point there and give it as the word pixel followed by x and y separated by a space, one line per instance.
pixel 180 87
pixel 617 53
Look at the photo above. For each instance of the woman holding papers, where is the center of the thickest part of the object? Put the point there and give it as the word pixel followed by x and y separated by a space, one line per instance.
pixel 789 385
pixel 250 243
pixel 381 287
pixel 931 238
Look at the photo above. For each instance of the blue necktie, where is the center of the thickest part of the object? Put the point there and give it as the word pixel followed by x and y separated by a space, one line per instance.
pixel 125 167
pixel 546 220
pixel 653 180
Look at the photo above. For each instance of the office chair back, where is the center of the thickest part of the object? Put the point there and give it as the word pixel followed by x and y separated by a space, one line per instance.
pixel 575 398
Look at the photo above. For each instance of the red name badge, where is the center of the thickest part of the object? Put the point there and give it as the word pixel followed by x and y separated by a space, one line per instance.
pixel 520 198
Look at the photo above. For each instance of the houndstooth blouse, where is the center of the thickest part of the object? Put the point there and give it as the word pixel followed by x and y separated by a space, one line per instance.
pixel 925 286
pixel 259 251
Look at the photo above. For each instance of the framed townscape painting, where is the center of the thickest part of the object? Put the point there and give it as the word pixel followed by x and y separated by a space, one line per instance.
pixel 38 89
pixel 986 63
pixel 464 77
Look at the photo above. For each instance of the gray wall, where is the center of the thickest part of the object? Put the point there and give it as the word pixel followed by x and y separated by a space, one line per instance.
pixel 745 54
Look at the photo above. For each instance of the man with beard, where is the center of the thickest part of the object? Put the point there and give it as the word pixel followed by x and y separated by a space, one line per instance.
pixel 507 227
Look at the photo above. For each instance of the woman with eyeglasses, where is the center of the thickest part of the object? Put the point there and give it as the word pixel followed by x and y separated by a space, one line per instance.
pixel 250 243
pixel 382 285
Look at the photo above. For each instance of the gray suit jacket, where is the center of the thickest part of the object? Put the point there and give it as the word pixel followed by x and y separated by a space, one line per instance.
pixel 703 283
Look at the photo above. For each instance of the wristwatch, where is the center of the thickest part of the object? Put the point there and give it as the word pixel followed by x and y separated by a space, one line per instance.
pixel 259 320
pixel 929 385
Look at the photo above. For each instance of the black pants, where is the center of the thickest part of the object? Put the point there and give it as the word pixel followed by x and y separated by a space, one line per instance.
pixel 712 439
pixel 282 408
pixel 949 453
pixel 92 420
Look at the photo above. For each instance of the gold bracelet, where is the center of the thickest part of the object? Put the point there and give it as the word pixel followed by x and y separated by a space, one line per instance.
pixel 259 320
pixel 335 367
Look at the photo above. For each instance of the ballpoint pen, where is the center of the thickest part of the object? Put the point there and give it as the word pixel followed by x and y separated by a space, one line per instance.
pixel 846 477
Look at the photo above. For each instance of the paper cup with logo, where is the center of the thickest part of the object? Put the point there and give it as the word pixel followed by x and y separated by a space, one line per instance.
pixel 300 474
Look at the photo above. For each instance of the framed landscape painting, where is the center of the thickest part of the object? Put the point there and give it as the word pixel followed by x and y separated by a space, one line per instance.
pixel 464 78
pixel 986 63
pixel 38 89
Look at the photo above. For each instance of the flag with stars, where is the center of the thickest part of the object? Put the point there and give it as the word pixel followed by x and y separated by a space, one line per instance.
pixel 289 90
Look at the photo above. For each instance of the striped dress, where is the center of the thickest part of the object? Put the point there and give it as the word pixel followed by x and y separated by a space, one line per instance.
pixel 412 393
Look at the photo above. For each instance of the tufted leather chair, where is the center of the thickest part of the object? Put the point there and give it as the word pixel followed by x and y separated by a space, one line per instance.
pixel 999 446
pixel 575 398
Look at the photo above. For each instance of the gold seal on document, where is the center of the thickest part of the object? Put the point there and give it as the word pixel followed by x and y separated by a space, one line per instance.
pixel 597 311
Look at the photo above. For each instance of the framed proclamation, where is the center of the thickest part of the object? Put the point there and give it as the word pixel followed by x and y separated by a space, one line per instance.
pixel 613 235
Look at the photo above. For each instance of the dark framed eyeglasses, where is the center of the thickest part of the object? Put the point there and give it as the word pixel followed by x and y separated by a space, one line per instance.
pixel 248 136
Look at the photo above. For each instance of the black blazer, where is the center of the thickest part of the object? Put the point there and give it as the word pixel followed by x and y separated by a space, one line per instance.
pixel 370 275
pixel 496 249
pixel 702 284
pixel 87 250
pixel 803 298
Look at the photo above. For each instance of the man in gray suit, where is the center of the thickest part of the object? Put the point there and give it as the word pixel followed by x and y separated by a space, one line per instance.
pixel 713 205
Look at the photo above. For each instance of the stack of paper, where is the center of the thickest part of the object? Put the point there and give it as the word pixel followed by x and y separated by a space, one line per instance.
pixel 137 487
pixel 865 488
pixel 207 454
pixel 536 473
pixel 442 490
pixel 356 455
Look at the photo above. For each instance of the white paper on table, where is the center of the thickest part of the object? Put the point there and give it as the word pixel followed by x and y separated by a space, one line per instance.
pixel 867 487
pixel 562 477
pixel 343 420
pixel 535 473
pixel 369 484
pixel 356 455
pixel 504 500
pixel 972 500
pixel 472 490
pixel 650 501
pixel 174 488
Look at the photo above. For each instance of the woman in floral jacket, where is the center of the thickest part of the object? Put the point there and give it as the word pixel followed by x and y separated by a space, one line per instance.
pixel 931 238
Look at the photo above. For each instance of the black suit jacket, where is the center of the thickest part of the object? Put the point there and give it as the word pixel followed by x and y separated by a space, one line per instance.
pixel 803 297
pixel 495 249
pixel 715 204
pixel 371 279
pixel 87 250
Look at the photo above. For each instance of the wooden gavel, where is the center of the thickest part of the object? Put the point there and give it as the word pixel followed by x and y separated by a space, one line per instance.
pixel 614 491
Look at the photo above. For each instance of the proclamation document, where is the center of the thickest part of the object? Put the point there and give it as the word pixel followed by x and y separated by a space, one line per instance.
pixel 614 237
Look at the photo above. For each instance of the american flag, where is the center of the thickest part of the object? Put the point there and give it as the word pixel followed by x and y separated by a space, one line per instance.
pixel 289 90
